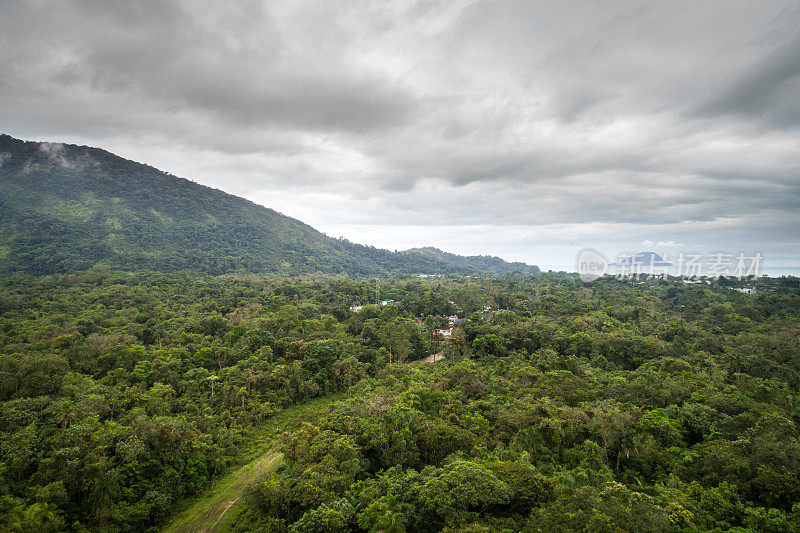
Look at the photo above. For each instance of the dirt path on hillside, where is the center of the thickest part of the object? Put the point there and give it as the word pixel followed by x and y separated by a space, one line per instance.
pixel 433 358
pixel 207 513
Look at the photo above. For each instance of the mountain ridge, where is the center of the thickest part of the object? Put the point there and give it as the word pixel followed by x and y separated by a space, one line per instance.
pixel 67 207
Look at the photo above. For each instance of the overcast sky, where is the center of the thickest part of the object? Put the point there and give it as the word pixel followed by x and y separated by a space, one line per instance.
pixel 521 129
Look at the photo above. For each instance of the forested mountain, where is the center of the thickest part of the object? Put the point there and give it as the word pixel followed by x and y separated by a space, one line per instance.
pixel 484 263
pixel 66 207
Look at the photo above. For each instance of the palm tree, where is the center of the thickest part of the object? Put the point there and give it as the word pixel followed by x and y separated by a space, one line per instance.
pixel 66 413
pixel 37 517
pixel 102 492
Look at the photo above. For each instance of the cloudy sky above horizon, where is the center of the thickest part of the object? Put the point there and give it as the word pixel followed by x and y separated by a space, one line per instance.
pixel 527 130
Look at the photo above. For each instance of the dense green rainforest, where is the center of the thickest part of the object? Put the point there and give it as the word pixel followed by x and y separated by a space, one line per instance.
pixel 619 405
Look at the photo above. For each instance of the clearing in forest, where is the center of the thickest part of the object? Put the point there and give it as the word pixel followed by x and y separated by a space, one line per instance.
pixel 216 508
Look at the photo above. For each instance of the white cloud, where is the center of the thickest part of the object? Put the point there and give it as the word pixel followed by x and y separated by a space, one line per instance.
pixel 663 244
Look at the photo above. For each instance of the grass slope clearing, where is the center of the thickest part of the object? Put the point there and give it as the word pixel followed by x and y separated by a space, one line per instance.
pixel 217 508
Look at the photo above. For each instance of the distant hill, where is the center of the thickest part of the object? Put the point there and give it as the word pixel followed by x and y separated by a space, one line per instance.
pixel 67 207
pixel 483 263
pixel 643 259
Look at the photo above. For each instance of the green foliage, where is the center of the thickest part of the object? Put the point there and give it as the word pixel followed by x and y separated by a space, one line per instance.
pixel 612 507
pixel 460 487
pixel 536 431
pixel 327 518
pixel 384 514
pixel 614 406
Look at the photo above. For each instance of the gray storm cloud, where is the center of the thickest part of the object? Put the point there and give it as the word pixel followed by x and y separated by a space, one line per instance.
pixel 513 128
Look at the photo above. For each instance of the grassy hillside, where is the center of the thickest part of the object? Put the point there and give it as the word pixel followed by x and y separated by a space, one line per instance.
pixel 216 509
pixel 67 207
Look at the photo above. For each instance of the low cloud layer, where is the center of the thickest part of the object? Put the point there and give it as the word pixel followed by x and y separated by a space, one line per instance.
pixel 511 128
